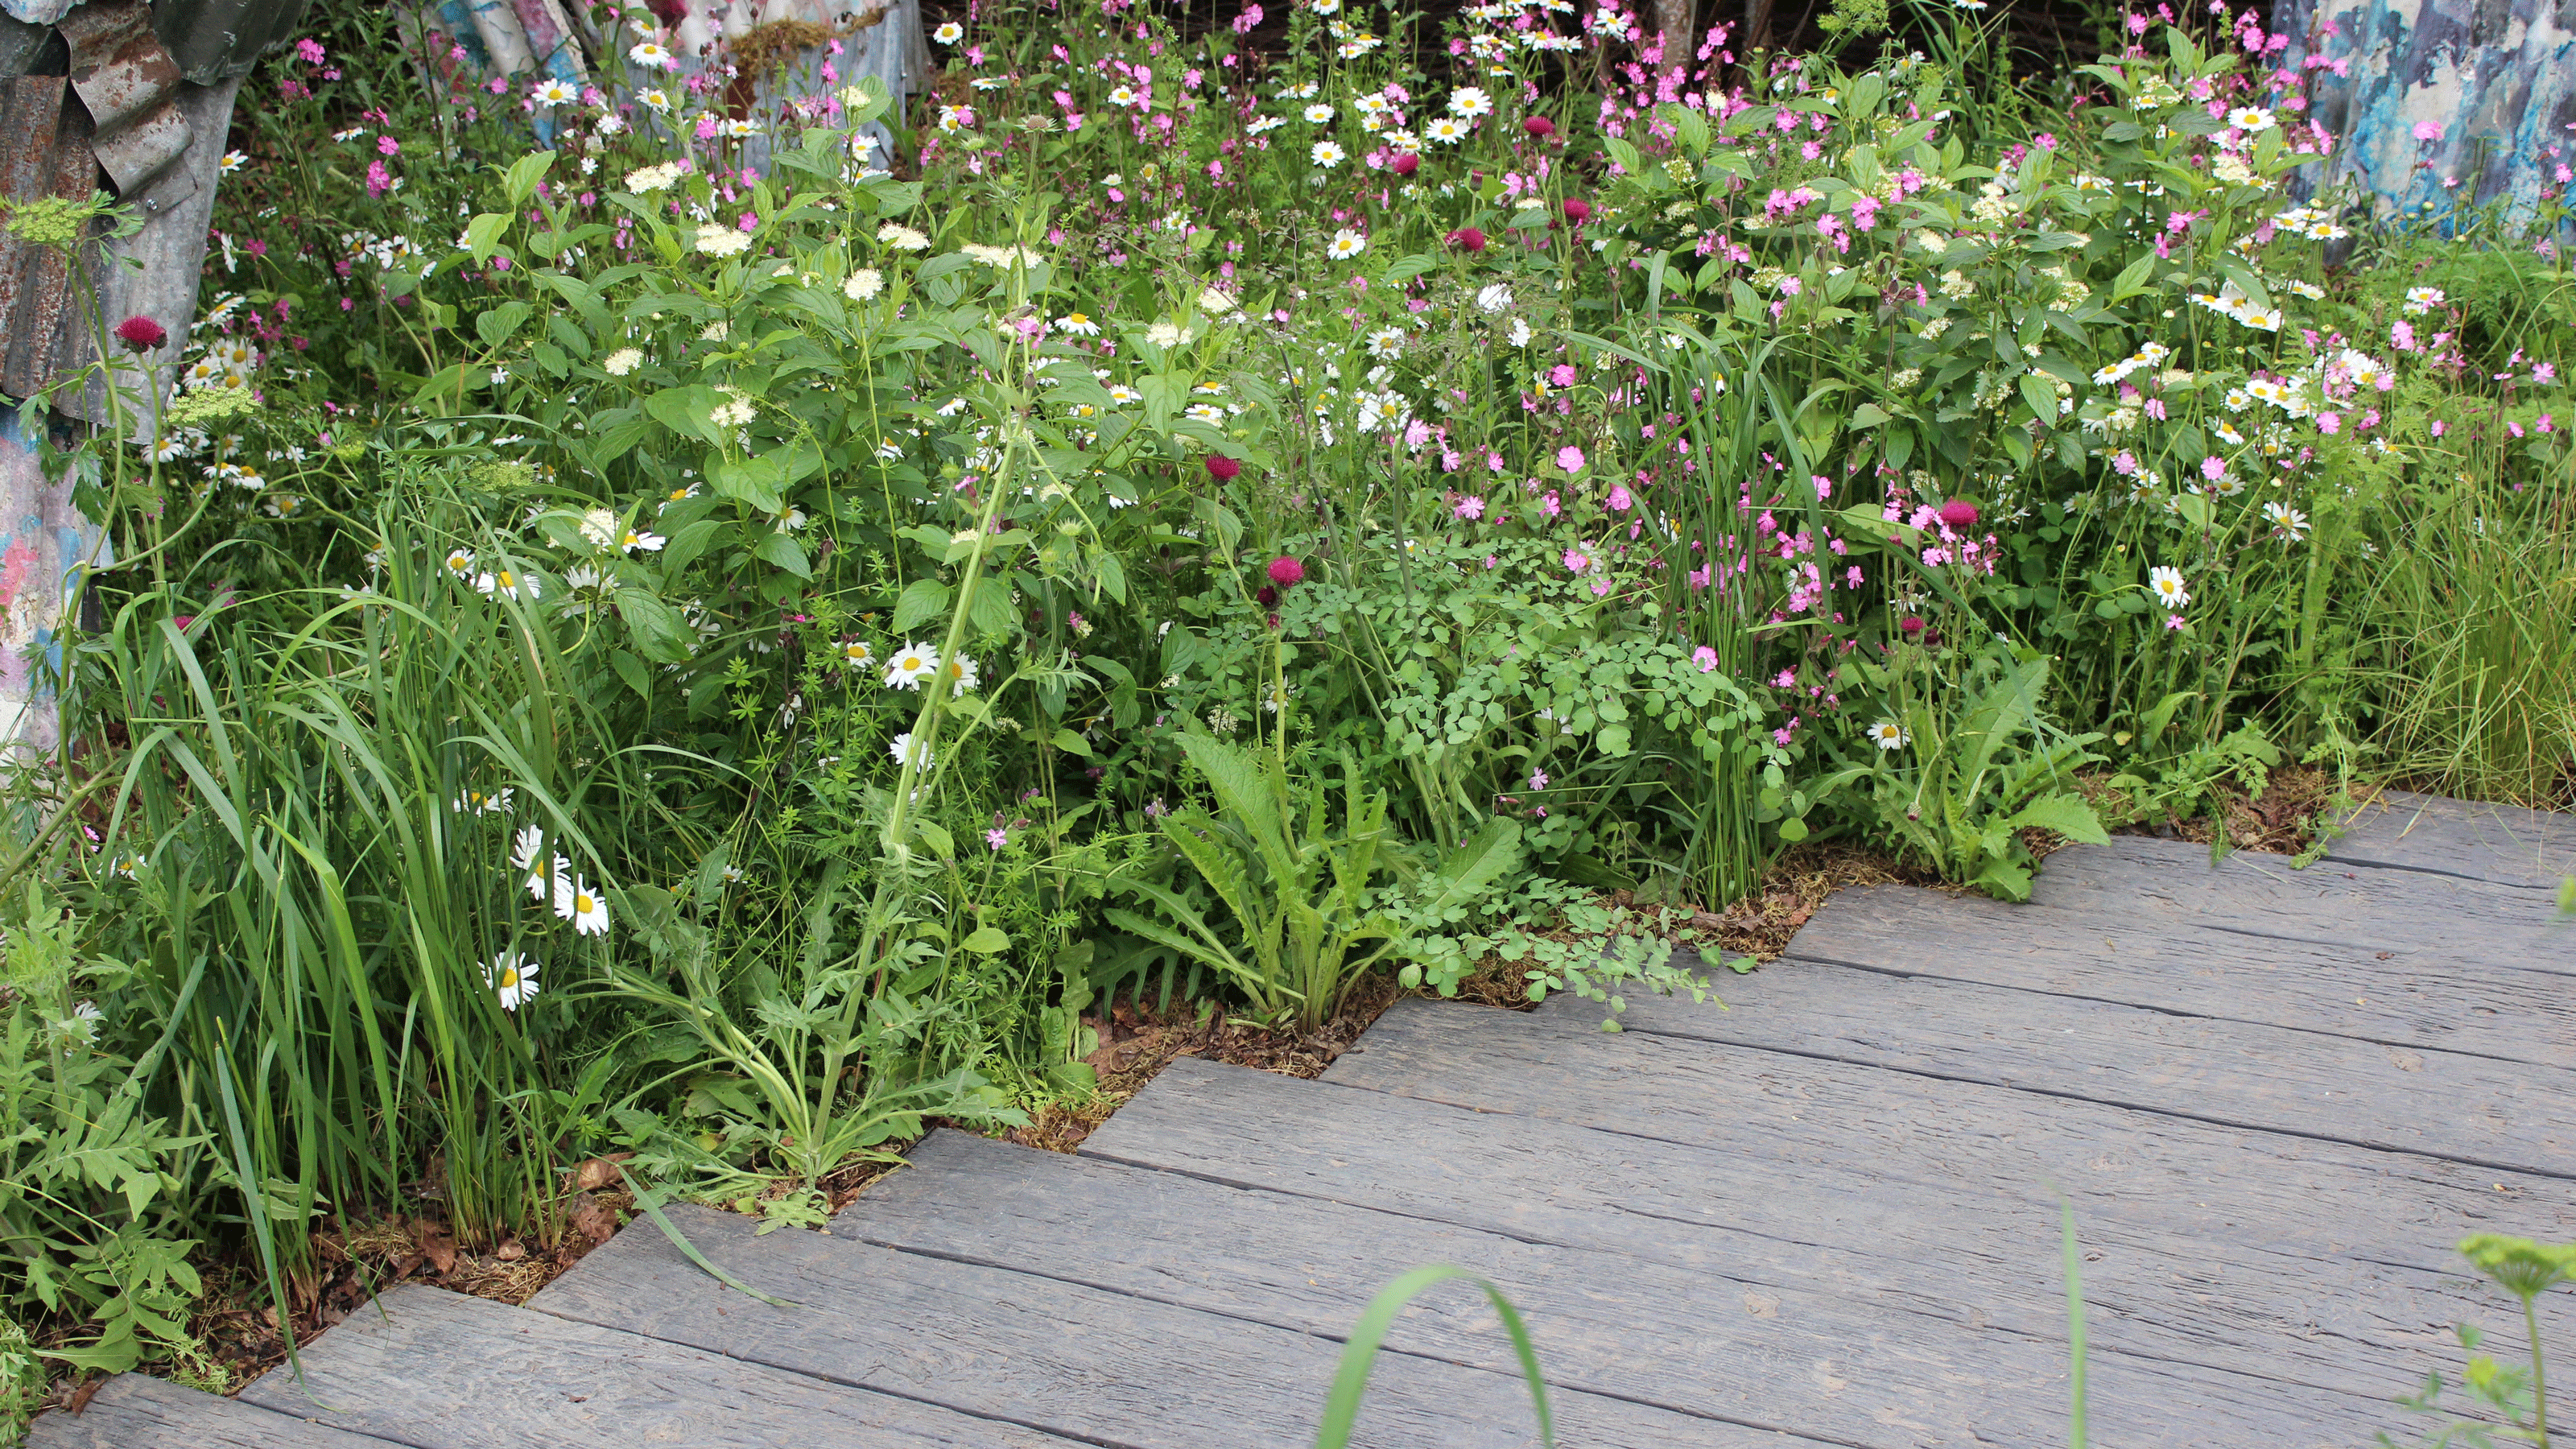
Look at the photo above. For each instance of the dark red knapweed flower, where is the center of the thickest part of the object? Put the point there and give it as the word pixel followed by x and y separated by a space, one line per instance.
pixel 1265 596
pixel 1407 164
pixel 1467 238
pixel 141 334
pixel 1909 626
pixel 1287 572
pixel 1539 126
pixel 1222 468
pixel 1577 210
pixel 1959 513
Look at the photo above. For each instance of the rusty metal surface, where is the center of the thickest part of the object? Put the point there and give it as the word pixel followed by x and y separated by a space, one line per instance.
pixel 219 40
pixel 44 151
pixel 130 84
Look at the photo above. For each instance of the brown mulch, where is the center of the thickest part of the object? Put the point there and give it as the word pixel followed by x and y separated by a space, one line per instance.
pixel 2283 822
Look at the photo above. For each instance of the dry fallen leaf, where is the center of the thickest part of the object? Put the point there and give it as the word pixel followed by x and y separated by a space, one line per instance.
pixel 436 1245
pixel 598 1172
pixel 592 1218
pixel 510 1251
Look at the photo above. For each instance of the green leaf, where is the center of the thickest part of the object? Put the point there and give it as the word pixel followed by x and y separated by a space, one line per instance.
pixel 660 632
pixel 631 669
pixel 987 940
pixel 922 600
pixel 524 174
pixel 1072 744
pixel 2066 814
pixel 780 547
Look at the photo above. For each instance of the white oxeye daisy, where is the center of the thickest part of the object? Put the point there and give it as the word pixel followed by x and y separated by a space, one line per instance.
pixel 630 540
pixel 1887 734
pixel 460 560
pixel 506 583
pixel 2288 520
pixel 960 671
pixel 646 53
pixel 1326 154
pixel 1346 244
pixel 1386 342
pixel 858 654
pixel 542 876
pixel 949 34
pixel 527 847
pixel 906 753
pixel 555 93
pixel 1079 324
pixel 911 664
pixel 512 977
pixel 2166 583
pixel 578 903
pixel 2250 118
pixel 1470 102
pixel 1318 113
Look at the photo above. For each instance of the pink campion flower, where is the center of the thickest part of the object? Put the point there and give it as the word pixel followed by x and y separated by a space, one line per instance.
pixel 1551 505
pixel 2329 423
pixel 2402 337
pixel 1600 588
pixel 1493 461
pixel 1788 680
pixel 748 221
pixel 1493 560
pixel 1562 375
pixel 1705 658
pixel 1450 460
pixel 379 180
pixel 2545 425
pixel 1569 457
pixel 1470 508
pixel 2212 468
pixel 2428 130
pixel 2544 373
pixel 997 838
pixel 2174 621
pixel 1621 500
pixel 2513 428
pixel 309 51
pixel 1575 562
pixel 1538 779
pixel 1250 19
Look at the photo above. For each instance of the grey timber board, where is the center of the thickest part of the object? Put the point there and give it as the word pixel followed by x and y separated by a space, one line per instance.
pixel 2308 1197
pixel 1796 1196
pixel 2427 1000
pixel 2443 1104
pixel 2500 843
pixel 132 1411
pixel 2411 915
pixel 1853 1368
pixel 439 1370
pixel 1106 1368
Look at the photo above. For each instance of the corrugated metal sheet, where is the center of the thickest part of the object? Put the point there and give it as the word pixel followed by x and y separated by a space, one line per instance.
pixel 130 85
pixel 2497 76
pixel 44 151
pixel 220 40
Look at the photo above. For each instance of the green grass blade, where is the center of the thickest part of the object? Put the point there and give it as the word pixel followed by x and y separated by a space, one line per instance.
pixel 1342 1408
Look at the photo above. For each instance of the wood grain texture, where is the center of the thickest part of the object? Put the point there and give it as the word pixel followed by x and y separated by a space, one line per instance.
pixel 1892 1200
pixel 2444 1104
pixel 2500 843
pixel 1710 1339
pixel 440 1370
pixel 2413 915
pixel 2302 1196
pixel 2425 1000
pixel 1104 1367
pixel 133 1411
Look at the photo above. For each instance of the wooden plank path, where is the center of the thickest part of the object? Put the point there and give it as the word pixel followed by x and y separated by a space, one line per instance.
pixel 1825 1216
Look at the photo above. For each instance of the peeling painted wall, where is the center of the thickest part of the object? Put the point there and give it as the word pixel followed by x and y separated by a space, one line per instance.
pixel 2497 76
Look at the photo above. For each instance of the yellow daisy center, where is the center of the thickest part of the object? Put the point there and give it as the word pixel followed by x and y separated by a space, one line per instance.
pixel 581 905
